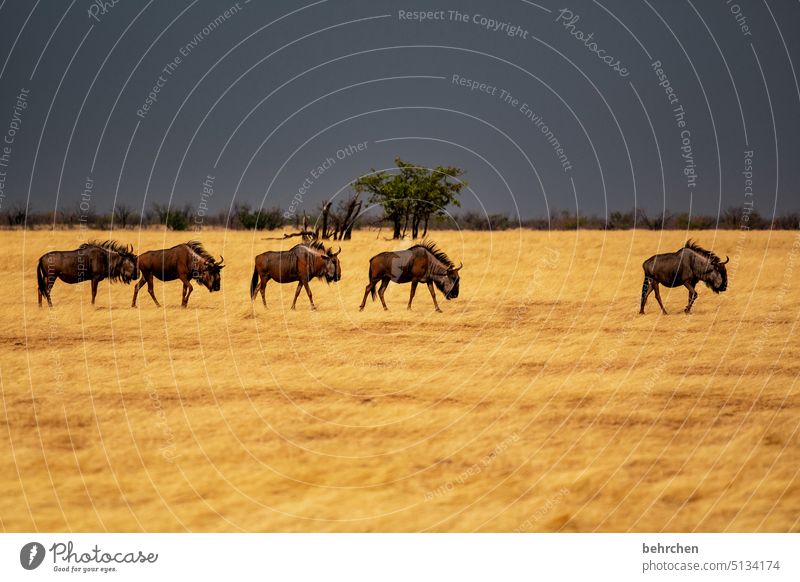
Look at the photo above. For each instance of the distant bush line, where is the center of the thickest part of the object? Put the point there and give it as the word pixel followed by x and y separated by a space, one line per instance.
pixel 732 218
pixel 244 217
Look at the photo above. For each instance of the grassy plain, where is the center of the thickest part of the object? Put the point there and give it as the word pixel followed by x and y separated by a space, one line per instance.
pixel 538 401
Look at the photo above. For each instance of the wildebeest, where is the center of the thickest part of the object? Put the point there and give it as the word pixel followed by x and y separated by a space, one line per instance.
pixel 686 266
pixel 92 261
pixel 422 263
pixel 301 263
pixel 188 261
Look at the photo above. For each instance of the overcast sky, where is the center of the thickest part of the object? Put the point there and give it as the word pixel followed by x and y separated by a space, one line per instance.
pixel 598 106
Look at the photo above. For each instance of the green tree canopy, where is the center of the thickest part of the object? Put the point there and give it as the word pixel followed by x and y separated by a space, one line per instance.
pixel 412 194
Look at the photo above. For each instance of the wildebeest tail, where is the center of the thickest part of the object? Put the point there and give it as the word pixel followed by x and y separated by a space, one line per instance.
pixel 40 277
pixel 254 284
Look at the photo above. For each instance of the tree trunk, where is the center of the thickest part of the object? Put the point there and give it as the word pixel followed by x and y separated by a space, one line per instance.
pixel 326 208
pixel 425 230
pixel 348 232
pixel 396 234
pixel 351 205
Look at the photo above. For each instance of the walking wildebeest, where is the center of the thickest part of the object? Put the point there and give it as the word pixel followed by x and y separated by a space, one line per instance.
pixel 687 267
pixel 92 261
pixel 301 263
pixel 422 263
pixel 188 261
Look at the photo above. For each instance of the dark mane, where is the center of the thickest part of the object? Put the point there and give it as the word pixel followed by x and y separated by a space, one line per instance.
pixel 316 245
pixel 109 245
pixel 198 248
pixel 431 247
pixel 690 244
pixel 113 263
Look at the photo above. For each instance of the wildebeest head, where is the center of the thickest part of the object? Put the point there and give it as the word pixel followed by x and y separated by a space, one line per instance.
pixel 717 275
pixel 333 269
pixel 449 284
pixel 211 277
pixel 126 265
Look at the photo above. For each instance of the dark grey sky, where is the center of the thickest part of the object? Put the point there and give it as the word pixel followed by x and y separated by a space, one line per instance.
pixel 261 99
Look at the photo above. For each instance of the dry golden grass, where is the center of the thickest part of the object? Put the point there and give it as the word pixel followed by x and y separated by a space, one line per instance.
pixel 538 401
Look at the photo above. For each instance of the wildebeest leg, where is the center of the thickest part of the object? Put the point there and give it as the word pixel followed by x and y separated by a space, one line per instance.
pixel 263 285
pixel 139 284
pixel 297 293
pixel 46 294
pixel 692 296
pixel 370 287
pixel 151 290
pixel 94 289
pixel 433 294
pixel 310 297
pixel 381 291
pixel 49 282
pixel 187 290
pixel 413 290
pixel 647 288
pixel 658 297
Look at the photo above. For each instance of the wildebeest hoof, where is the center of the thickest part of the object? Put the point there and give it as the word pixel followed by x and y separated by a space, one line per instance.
pixel 438 310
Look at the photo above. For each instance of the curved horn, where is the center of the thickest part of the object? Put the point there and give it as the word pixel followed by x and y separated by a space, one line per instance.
pixel 337 252
pixel 725 262
pixel 459 267
pixel 221 260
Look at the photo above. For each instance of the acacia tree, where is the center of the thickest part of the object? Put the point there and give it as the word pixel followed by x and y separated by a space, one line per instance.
pixel 390 191
pixel 442 188
pixel 413 194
